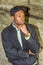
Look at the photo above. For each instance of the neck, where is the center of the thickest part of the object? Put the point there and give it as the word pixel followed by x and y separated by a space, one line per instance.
pixel 17 25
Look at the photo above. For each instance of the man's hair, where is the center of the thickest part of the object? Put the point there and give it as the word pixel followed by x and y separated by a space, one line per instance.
pixel 15 9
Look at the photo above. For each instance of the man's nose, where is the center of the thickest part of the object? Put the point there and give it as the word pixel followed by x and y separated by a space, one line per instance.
pixel 22 17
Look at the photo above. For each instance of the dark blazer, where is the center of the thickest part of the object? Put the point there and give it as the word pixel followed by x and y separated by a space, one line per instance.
pixel 15 54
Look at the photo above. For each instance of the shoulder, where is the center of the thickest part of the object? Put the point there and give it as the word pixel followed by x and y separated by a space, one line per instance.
pixel 5 31
pixel 32 29
pixel 31 26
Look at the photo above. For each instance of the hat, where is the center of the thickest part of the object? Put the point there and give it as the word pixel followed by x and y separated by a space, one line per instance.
pixel 17 8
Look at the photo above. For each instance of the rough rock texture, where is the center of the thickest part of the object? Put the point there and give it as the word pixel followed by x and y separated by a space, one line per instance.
pixel 36 18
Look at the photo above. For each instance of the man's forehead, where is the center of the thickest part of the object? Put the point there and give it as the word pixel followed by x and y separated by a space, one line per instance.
pixel 20 12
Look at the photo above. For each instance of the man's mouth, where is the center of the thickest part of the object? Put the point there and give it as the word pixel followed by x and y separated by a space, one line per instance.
pixel 20 23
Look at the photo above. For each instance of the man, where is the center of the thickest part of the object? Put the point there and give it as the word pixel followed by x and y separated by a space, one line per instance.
pixel 19 40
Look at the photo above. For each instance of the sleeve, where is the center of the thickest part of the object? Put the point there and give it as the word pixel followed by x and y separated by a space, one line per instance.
pixel 10 51
pixel 27 38
pixel 33 42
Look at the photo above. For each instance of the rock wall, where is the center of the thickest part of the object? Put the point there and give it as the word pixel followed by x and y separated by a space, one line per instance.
pixel 36 18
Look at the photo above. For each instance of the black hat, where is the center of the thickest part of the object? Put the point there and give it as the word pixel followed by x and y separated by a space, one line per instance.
pixel 17 8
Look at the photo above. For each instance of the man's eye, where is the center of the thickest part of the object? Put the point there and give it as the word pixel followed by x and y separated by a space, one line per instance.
pixel 19 16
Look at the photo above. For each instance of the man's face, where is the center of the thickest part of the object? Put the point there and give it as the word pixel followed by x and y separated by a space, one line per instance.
pixel 19 17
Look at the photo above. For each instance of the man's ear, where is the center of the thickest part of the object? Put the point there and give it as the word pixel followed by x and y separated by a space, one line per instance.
pixel 12 17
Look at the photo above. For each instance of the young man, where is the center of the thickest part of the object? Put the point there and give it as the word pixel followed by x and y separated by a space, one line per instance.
pixel 19 40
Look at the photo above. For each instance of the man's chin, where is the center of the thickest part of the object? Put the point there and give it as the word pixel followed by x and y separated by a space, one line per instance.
pixel 20 23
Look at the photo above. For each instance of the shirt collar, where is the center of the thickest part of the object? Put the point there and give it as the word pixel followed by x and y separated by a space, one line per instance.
pixel 14 26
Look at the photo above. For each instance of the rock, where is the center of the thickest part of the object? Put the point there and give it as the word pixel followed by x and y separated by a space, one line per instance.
pixel 36 18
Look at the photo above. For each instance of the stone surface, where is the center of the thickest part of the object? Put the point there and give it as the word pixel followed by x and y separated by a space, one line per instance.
pixel 36 18
pixel 41 57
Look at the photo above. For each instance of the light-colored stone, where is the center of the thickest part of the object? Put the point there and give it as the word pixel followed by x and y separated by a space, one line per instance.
pixel 15 2
pixel 41 57
pixel 36 2
pixel 36 18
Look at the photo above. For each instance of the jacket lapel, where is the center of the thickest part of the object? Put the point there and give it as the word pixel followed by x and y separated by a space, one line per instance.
pixel 14 38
